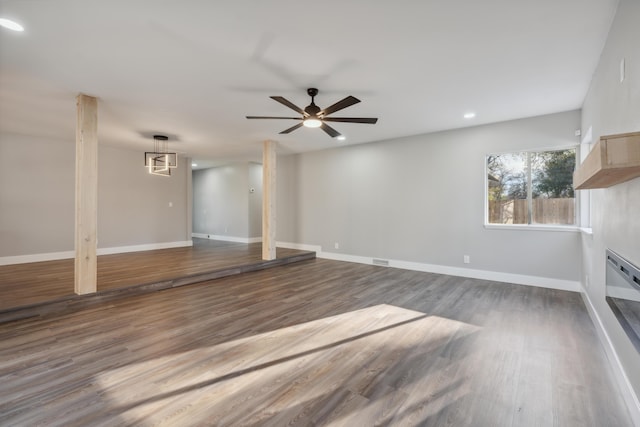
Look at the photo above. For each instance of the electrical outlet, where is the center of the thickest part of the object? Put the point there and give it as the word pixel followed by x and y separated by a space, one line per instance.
pixel 586 280
pixel 336 245
pixel 467 260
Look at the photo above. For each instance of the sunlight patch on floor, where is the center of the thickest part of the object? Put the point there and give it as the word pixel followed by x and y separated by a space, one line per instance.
pixel 269 375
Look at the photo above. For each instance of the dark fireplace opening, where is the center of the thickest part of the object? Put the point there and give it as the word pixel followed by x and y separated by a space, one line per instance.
pixel 623 294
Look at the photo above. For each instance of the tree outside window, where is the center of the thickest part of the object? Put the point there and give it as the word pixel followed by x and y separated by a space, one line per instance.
pixel 531 187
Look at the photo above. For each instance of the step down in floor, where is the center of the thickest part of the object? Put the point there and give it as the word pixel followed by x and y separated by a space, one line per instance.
pixel 76 302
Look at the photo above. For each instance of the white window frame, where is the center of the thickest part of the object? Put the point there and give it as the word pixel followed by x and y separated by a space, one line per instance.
pixel 584 196
pixel 531 227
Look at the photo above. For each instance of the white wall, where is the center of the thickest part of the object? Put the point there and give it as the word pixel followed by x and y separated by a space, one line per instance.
pixel 222 203
pixel 287 190
pixel 37 198
pixel 421 199
pixel 37 195
pixel 134 206
pixel 255 200
pixel 613 107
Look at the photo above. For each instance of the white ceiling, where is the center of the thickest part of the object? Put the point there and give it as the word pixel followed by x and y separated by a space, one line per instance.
pixel 194 69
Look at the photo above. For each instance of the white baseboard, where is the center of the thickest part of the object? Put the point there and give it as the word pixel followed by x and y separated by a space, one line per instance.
pixel 146 247
pixel 24 259
pixel 630 397
pixel 54 256
pixel 227 238
pixel 497 276
pixel 345 257
pixel 299 246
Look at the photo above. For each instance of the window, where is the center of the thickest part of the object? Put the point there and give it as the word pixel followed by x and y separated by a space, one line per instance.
pixel 531 187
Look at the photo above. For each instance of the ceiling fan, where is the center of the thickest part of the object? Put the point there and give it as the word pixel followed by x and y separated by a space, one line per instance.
pixel 313 117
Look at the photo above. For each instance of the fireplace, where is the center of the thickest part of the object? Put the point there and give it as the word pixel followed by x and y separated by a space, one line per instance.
pixel 623 294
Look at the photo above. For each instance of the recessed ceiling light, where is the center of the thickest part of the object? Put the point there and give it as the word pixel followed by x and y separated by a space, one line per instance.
pixel 11 25
pixel 469 115
pixel 341 137
pixel 194 165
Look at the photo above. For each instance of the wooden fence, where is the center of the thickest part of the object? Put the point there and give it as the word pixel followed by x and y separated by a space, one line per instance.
pixel 545 211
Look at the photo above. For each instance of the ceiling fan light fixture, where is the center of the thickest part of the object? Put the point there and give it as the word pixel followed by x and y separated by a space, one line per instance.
pixel 10 25
pixel 312 122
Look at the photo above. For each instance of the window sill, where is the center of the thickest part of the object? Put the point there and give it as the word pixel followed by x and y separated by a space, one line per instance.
pixel 588 231
pixel 532 227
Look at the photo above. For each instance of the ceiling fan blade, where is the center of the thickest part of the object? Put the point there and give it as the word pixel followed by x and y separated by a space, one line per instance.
pixel 369 120
pixel 347 102
pixel 292 128
pixel 268 117
pixel 289 104
pixel 328 129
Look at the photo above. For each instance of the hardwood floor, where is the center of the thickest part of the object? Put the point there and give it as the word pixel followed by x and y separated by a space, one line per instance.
pixel 33 283
pixel 314 343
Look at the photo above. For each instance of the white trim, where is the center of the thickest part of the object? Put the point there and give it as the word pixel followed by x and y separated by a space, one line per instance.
pixel 583 197
pixel 587 231
pixel 227 238
pixel 623 293
pixel 561 147
pixel 496 276
pixel 532 227
pixel 24 259
pixel 145 247
pixel 587 139
pixel 630 397
pixel 485 181
pixel 55 256
pixel 300 246
pixel 345 257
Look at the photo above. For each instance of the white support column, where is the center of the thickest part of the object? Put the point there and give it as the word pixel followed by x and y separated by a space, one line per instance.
pixel 269 200
pixel 86 263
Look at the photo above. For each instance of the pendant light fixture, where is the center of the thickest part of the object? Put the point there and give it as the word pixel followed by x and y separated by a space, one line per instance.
pixel 160 161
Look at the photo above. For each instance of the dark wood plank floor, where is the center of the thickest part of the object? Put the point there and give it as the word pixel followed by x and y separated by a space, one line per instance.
pixel 24 284
pixel 314 343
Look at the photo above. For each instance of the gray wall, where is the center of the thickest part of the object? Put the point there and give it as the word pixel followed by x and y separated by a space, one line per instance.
pixel 613 107
pixel 37 195
pixel 133 205
pixel 37 198
pixel 222 203
pixel 287 199
pixel 421 199
pixel 255 200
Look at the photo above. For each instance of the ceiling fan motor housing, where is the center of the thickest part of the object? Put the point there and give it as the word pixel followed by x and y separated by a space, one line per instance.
pixel 312 109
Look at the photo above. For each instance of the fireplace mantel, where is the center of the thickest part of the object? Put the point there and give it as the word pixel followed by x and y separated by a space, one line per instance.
pixel 613 160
